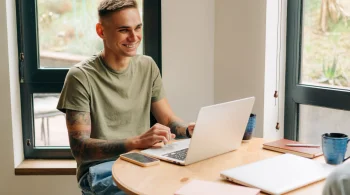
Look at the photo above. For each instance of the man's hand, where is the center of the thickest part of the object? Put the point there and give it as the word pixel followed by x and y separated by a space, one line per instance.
pixel 191 128
pixel 164 115
pixel 157 133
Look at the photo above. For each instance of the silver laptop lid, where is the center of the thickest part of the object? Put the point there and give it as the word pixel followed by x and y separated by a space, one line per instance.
pixel 219 129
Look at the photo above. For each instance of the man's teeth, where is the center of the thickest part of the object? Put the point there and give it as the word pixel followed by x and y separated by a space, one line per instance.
pixel 130 46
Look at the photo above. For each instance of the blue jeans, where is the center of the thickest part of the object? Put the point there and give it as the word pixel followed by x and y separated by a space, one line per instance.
pixel 98 181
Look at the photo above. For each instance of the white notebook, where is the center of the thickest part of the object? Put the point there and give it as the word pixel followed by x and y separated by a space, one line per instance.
pixel 280 174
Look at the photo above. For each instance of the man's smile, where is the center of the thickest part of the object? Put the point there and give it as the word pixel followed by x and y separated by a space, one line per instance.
pixel 130 46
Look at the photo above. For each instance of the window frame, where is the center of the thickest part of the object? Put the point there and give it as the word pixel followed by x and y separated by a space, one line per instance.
pixel 50 80
pixel 297 93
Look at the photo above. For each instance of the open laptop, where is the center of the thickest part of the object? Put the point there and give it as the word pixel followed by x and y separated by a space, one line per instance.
pixel 219 129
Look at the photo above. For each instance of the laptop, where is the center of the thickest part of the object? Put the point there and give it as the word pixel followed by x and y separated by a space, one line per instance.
pixel 219 129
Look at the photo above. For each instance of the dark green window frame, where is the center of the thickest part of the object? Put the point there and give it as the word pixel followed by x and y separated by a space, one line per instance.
pixel 297 93
pixel 36 80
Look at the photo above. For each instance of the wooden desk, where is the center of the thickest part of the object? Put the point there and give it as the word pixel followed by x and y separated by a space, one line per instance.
pixel 166 178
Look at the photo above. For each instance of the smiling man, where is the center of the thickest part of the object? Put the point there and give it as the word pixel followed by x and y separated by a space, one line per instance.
pixel 108 98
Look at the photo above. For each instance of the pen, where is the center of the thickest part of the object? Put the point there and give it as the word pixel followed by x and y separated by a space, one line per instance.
pixel 303 145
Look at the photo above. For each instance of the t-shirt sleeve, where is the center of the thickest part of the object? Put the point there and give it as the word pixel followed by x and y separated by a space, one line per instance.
pixel 75 92
pixel 158 91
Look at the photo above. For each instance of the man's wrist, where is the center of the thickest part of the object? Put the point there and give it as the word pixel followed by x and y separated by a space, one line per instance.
pixel 131 144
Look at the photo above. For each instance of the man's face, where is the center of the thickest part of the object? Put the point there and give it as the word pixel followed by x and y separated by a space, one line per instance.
pixel 123 32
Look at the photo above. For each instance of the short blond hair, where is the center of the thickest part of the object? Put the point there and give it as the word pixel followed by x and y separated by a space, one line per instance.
pixel 107 7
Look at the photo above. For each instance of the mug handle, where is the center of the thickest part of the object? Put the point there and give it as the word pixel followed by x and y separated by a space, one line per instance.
pixel 348 156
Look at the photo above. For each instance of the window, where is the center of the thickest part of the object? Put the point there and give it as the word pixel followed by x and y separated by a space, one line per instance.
pixel 53 35
pixel 318 69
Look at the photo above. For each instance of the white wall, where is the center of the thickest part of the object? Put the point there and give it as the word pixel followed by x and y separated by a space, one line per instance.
pixel 188 55
pixel 240 53
pixel 275 41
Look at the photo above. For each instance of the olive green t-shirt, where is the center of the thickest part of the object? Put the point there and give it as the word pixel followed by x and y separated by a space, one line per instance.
pixel 119 103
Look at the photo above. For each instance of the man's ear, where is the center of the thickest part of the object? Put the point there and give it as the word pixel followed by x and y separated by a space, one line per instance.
pixel 100 30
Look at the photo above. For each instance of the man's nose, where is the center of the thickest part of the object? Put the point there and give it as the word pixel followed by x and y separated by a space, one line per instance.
pixel 132 36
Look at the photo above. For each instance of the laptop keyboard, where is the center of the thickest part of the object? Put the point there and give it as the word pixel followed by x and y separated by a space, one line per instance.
pixel 179 155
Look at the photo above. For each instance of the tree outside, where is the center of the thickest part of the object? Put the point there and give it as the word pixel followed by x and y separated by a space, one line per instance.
pixel 326 43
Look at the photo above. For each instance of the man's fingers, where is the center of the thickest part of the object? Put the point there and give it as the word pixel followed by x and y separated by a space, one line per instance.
pixel 159 138
pixel 192 125
pixel 160 126
pixel 164 133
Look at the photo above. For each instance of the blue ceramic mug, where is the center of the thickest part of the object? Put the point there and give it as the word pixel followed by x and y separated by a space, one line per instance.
pixel 334 147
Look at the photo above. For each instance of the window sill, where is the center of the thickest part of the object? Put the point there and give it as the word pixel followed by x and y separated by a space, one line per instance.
pixel 46 167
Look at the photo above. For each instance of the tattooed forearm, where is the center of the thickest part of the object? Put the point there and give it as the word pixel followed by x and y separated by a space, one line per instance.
pixel 94 149
pixel 85 148
pixel 177 128
pixel 77 118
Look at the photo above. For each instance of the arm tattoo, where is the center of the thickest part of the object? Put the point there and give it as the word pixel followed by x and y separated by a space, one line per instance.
pixel 178 129
pixel 85 148
pixel 75 118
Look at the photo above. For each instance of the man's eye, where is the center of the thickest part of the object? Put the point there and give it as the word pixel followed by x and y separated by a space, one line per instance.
pixel 123 30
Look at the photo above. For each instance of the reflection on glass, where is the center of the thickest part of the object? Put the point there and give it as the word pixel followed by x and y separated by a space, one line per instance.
pixel 67 31
pixel 50 124
pixel 326 44
pixel 315 121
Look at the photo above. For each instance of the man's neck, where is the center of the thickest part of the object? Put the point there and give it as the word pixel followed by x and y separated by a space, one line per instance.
pixel 117 63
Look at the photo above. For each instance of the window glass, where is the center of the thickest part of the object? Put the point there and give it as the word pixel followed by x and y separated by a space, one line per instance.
pixel 326 44
pixel 49 123
pixel 67 31
pixel 315 121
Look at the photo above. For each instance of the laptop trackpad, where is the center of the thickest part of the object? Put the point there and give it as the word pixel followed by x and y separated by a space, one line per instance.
pixel 169 148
